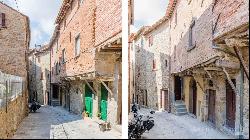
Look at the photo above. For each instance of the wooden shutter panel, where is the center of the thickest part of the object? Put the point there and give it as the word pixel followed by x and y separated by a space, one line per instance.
pixel 3 19
pixel 0 19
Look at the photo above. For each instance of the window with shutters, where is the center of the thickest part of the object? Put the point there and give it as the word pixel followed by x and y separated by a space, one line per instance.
pixel 175 21
pixel 41 78
pixel 192 42
pixel 154 65
pixel 150 40
pixel 77 46
pixel 2 20
pixel 63 56
pixel 38 58
pixel 175 53
pixel 70 37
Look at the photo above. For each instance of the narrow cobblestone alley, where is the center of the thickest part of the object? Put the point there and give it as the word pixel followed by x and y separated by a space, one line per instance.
pixel 56 123
pixel 170 126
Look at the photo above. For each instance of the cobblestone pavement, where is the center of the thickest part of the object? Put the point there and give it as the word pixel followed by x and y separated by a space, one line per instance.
pixel 170 126
pixel 57 123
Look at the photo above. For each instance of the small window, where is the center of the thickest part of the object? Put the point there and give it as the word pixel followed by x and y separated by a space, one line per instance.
pixel 77 46
pixel 175 53
pixel 57 45
pixel 70 37
pixel 64 23
pixel 2 20
pixel 52 51
pixel 63 56
pixel 150 40
pixel 142 42
pixel 41 76
pixel 175 17
pixel 192 42
pixel 154 65
pixel 38 59
pixel 166 63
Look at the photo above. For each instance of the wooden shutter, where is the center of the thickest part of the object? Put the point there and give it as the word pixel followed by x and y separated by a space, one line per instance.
pixel 153 64
pixel 2 19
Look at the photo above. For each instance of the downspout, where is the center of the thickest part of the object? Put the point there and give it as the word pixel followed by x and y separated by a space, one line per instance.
pixel 241 102
pixel 169 70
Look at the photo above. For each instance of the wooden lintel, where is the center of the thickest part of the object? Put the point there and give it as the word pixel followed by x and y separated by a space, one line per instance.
pixel 230 81
pixel 212 69
pixel 87 83
pixel 107 88
pixel 209 74
pixel 242 62
pixel 236 42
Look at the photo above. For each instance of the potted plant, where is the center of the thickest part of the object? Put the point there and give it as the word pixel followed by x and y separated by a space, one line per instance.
pixel 99 115
pixel 86 114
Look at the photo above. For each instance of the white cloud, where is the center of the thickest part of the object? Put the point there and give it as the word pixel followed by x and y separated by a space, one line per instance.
pixel 147 12
pixel 42 14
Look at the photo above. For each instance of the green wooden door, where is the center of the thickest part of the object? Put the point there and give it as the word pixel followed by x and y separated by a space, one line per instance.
pixel 89 99
pixel 104 102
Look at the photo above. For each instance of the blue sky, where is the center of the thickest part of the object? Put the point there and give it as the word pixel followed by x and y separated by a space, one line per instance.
pixel 147 12
pixel 42 14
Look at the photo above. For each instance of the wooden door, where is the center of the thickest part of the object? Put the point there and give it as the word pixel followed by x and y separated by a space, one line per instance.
pixel 230 105
pixel 88 99
pixel 211 106
pixel 165 101
pixel 104 102
pixel 177 89
pixel 194 98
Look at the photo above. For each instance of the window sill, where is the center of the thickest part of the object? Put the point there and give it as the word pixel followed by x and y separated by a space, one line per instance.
pixel 3 27
pixel 76 57
pixel 191 48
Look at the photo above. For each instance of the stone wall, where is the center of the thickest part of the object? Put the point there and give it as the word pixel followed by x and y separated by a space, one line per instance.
pixel 9 121
pixel 148 79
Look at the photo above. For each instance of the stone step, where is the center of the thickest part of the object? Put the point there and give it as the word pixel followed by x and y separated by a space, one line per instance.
pixel 180 113
pixel 180 106
pixel 181 110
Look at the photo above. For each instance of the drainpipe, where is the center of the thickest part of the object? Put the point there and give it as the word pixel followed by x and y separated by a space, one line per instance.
pixel 241 102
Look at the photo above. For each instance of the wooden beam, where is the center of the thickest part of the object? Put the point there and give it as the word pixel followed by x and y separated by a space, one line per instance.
pixel 90 87
pixel 226 51
pixel 236 42
pixel 230 81
pixel 107 88
pixel 242 62
pixel 227 64
pixel 212 69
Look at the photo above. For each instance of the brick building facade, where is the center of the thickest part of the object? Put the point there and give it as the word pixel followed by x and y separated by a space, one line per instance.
pixel 208 62
pixel 86 58
pixel 14 43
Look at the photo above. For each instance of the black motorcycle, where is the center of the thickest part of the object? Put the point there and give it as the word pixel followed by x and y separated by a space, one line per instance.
pixel 33 106
pixel 139 124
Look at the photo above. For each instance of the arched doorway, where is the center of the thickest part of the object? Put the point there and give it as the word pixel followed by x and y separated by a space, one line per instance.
pixel 192 96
